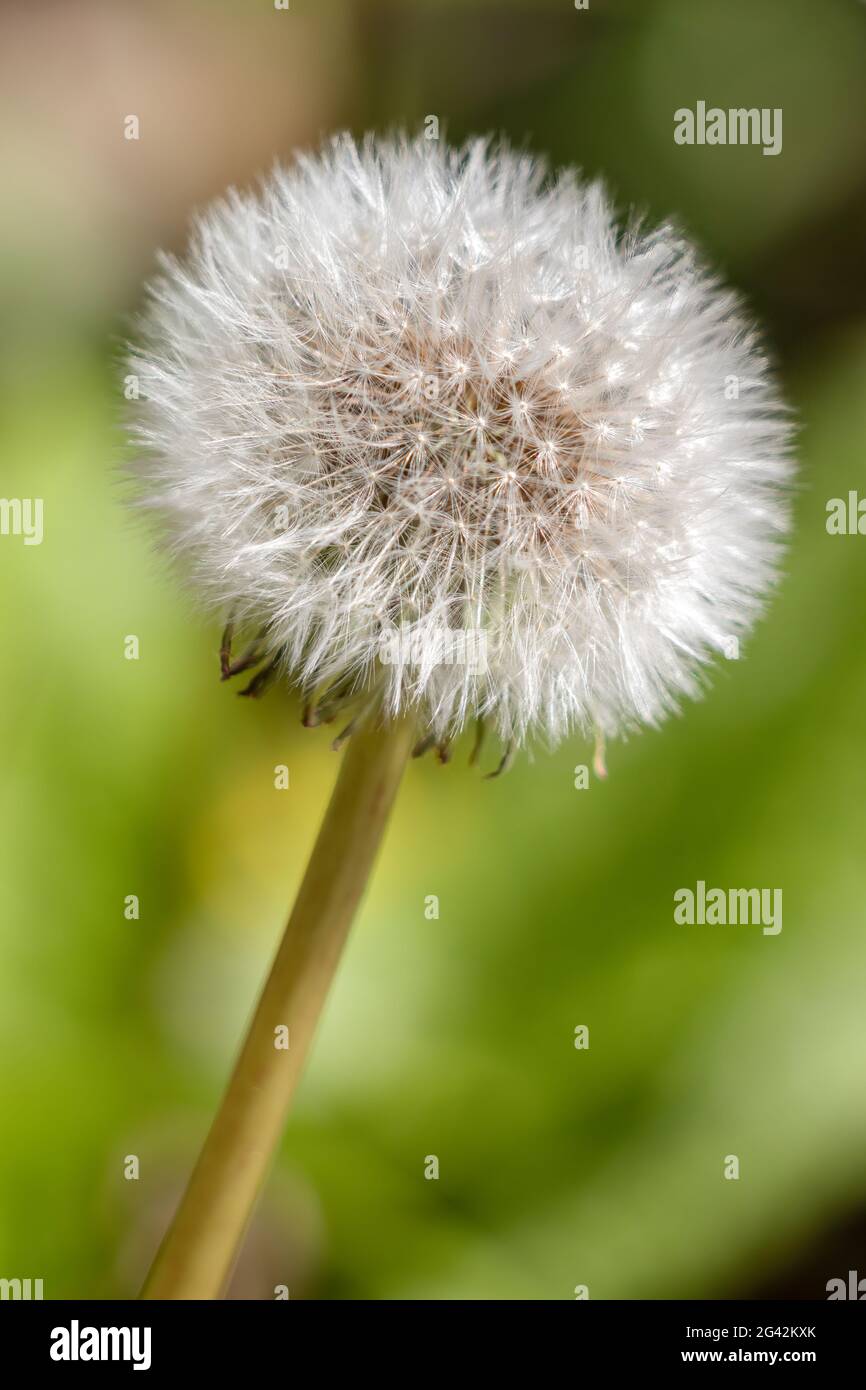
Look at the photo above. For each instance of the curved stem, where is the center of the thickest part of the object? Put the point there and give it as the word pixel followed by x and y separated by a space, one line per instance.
pixel 196 1256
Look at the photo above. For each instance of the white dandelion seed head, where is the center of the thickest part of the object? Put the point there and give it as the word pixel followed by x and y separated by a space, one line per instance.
pixel 408 387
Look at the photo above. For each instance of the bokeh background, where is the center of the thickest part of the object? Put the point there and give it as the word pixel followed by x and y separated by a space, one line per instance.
pixel 454 1036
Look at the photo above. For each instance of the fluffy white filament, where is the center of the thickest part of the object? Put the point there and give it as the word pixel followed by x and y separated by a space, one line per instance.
pixel 406 393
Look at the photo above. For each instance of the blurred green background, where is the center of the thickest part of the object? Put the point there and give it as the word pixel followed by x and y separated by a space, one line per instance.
pixel 452 1037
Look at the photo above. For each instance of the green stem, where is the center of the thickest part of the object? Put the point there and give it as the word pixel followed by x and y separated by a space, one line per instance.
pixel 198 1252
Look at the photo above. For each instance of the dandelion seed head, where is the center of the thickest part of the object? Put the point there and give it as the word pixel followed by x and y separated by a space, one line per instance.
pixel 404 384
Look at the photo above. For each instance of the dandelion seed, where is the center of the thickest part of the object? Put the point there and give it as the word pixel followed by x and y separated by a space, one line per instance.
pixel 403 262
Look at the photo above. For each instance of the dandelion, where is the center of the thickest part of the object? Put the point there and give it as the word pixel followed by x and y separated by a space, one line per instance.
pixel 406 389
